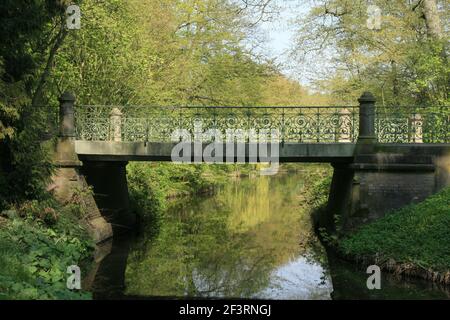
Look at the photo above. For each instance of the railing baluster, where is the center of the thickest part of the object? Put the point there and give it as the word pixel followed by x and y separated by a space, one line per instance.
pixel 283 124
pixel 318 125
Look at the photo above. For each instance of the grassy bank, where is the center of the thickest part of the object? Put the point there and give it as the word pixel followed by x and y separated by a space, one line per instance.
pixel 38 241
pixel 412 241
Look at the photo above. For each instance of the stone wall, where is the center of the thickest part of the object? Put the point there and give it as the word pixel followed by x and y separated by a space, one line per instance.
pixel 377 183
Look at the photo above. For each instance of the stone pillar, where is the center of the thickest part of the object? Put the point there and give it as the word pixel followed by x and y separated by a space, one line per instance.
pixel 67 180
pixel 345 128
pixel 416 128
pixel 115 118
pixel 66 115
pixel 367 118
pixel 65 148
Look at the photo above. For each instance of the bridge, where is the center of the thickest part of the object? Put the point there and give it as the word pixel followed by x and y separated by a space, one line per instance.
pixel 318 134
pixel 383 157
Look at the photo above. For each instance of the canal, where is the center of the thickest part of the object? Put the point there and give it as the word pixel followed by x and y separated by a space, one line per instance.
pixel 252 239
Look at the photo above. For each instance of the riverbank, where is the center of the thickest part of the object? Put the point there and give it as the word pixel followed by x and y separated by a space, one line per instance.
pixel 411 242
pixel 38 241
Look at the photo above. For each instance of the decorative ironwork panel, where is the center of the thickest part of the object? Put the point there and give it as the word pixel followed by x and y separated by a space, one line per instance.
pixel 413 124
pixel 294 124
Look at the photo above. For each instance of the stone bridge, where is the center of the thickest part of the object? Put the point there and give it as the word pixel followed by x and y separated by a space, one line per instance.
pixel 383 157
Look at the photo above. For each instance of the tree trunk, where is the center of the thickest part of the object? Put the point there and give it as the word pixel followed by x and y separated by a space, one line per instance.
pixel 45 74
pixel 395 84
pixel 432 19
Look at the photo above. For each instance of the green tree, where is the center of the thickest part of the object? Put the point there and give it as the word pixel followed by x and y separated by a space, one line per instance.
pixel 31 34
pixel 403 62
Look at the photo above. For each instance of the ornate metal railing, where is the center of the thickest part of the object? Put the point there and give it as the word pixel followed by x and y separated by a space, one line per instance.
pixel 344 124
pixel 156 124
pixel 412 124
pixel 295 124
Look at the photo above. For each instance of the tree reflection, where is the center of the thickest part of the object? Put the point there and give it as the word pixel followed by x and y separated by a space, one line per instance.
pixel 228 245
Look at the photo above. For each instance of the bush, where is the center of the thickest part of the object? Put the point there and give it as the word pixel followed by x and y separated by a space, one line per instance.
pixel 25 163
pixel 146 187
pixel 36 247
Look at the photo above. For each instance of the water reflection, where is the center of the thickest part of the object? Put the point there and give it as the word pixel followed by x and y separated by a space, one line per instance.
pixel 242 242
pixel 298 280
pixel 251 240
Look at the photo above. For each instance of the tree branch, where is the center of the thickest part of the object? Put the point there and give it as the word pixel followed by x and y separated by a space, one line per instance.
pixel 59 38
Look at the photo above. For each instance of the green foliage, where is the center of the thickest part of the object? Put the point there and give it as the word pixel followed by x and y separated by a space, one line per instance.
pixel 432 79
pixel 151 185
pixel 402 63
pixel 36 247
pixel 25 163
pixel 102 63
pixel 317 194
pixel 417 234
pixel 146 191
pixel 160 52
pixel 27 33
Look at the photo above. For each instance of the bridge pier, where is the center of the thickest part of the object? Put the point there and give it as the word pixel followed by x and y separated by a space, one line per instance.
pixel 109 181
pixel 383 177
pixel 391 179
pixel 68 182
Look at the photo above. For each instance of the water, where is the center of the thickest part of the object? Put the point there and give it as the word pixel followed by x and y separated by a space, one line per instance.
pixel 253 239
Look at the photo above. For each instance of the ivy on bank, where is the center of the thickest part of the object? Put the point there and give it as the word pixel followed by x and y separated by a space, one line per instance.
pixel 38 241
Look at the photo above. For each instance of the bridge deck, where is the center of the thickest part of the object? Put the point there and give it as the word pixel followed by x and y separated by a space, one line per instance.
pixel 288 152
pixel 154 151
